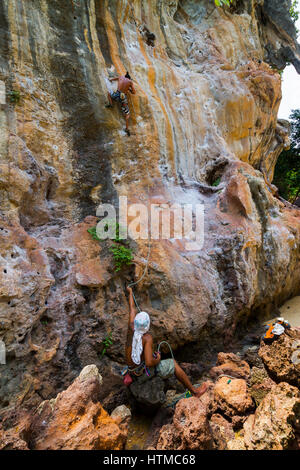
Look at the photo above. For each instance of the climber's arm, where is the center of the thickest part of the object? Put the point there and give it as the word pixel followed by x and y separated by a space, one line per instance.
pixel 113 79
pixel 132 310
pixel 150 361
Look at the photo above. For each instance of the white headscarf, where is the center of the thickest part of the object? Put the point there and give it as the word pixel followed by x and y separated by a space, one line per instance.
pixel 141 326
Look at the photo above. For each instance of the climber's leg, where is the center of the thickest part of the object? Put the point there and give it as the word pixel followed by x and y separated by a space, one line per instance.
pixel 110 101
pixel 183 378
pixel 126 112
pixel 127 120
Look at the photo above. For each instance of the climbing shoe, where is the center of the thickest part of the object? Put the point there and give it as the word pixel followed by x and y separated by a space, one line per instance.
pixel 127 131
pixel 108 105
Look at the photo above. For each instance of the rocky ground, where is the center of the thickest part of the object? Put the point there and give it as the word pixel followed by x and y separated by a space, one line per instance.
pixel 252 403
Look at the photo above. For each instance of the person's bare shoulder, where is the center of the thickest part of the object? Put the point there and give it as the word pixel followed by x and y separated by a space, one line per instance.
pixel 147 337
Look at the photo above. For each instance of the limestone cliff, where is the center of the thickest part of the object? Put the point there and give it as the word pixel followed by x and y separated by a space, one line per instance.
pixel 208 93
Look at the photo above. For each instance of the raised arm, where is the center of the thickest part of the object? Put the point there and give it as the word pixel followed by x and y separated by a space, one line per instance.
pixel 132 309
pixel 113 79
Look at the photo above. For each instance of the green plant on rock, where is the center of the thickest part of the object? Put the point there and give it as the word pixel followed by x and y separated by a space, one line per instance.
pixel 294 11
pixel 216 182
pixel 92 231
pixel 106 343
pixel 115 226
pixel 14 96
pixel 122 256
pixel 221 3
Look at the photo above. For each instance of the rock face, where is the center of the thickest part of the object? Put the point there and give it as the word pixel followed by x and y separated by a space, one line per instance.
pixel 205 112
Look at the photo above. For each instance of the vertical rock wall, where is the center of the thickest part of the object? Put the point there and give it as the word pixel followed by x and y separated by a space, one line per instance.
pixel 205 108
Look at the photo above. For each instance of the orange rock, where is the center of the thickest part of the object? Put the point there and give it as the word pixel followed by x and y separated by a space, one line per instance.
pixel 232 397
pixel 189 429
pixel 76 420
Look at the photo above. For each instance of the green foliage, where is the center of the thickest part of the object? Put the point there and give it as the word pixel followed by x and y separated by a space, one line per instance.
pixel 117 228
pixel 221 3
pixel 287 169
pixel 92 231
pixel 294 11
pixel 14 96
pixel 106 343
pixel 122 256
pixel 216 182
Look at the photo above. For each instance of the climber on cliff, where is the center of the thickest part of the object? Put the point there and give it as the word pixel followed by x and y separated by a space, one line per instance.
pixel 125 84
pixel 139 355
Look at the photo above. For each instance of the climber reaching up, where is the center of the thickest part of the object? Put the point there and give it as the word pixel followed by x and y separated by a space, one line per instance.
pixel 139 354
pixel 125 84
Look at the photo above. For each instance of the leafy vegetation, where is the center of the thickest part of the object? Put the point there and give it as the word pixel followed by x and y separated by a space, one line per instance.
pixel 216 182
pixel 119 231
pixel 92 231
pixel 14 96
pixel 294 11
pixel 287 170
pixel 106 343
pixel 220 3
pixel 122 256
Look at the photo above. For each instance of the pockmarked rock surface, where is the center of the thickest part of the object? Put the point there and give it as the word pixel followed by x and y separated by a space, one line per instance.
pixel 282 357
pixel 231 365
pixel 204 130
pixel 276 421
pixel 189 429
pixel 260 384
pixel 232 396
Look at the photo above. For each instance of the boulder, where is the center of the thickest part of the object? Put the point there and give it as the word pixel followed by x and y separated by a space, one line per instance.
pixel 260 384
pixel 282 357
pixel 231 396
pixel 230 364
pixel 149 394
pixel 10 440
pixel 222 431
pixel 75 420
pixel 121 414
pixel 189 429
pixel 276 421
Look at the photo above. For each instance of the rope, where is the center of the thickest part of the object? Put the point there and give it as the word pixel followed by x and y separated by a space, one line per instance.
pixel 169 348
pixel 149 238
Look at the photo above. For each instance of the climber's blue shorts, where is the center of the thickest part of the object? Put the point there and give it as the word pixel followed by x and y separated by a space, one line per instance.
pixel 122 99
